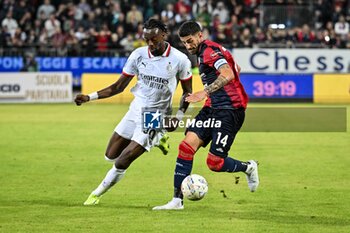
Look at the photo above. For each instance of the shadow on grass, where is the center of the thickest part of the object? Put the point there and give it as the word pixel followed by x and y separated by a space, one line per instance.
pixel 65 204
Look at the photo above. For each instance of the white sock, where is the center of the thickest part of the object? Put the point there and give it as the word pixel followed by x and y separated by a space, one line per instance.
pixel 114 175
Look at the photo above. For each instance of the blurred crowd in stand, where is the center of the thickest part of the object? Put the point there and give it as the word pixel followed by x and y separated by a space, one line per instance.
pixel 114 27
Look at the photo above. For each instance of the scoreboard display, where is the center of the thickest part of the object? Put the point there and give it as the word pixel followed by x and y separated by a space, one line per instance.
pixel 278 86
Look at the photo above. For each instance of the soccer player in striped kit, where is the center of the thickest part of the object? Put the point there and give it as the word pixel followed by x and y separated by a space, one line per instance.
pixel 226 101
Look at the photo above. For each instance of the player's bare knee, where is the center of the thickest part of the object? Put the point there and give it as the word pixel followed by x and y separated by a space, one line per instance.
pixel 186 151
pixel 214 162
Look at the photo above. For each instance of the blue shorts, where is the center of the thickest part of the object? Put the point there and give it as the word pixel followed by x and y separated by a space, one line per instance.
pixel 222 137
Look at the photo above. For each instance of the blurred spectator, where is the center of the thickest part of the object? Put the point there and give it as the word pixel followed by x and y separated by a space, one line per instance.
pixel 337 12
pixel 25 22
pixel 47 9
pixel 182 6
pixel 151 7
pixel 38 25
pixel 71 42
pixel 43 40
pixel 84 6
pixel 258 37
pixel 20 10
pixel 8 5
pixel 215 27
pixel 29 63
pixel 5 40
pixel 75 12
pixel 341 27
pixel 222 12
pixel 128 43
pixel 139 32
pixel 88 44
pixel 305 34
pixel 251 8
pixel 80 34
pixel 322 13
pixel 246 38
pixel 98 19
pixel 236 42
pixel 291 37
pixel 134 17
pixel 206 34
pixel 10 23
pixel 19 38
pixel 182 16
pixel 120 32
pixel 232 26
pixel 114 43
pixel 201 6
pixel 51 25
pixel 203 16
pixel 58 39
pixel 116 15
pixel 32 38
pixel 102 38
pixel 167 15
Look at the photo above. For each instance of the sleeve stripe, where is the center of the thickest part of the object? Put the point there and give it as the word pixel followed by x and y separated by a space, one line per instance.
pixel 128 75
pixel 186 78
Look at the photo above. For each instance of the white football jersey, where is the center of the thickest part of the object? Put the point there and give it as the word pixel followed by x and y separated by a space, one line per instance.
pixel 157 76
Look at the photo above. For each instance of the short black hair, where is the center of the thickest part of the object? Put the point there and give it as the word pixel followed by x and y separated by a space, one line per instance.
pixel 154 23
pixel 189 28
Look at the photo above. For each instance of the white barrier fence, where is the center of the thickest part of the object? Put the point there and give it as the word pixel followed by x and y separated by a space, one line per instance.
pixel 38 87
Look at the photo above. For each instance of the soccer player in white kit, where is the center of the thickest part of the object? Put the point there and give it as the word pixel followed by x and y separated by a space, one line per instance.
pixel 158 68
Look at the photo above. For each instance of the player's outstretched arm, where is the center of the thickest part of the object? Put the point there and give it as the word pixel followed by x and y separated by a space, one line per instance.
pixel 109 91
pixel 187 89
pixel 226 75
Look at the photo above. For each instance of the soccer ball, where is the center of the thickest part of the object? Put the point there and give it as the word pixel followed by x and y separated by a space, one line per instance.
pixel 194 187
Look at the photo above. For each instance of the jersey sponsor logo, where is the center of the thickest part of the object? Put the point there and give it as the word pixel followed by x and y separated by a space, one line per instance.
pixel 154 82
pixel 215 54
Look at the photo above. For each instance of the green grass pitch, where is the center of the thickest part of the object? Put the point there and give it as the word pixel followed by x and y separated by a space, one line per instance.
pixel 51 158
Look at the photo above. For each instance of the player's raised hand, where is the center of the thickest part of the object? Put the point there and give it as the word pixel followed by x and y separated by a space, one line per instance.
pixel 80 99
pixel 196 97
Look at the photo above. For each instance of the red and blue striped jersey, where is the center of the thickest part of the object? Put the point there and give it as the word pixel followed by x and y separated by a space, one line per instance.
pixel 211 56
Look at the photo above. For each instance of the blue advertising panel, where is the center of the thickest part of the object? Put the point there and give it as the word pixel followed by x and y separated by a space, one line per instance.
pixel 286 86
pixel 77 65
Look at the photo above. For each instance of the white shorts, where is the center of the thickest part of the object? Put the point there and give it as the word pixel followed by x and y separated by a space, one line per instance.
pixel 130 127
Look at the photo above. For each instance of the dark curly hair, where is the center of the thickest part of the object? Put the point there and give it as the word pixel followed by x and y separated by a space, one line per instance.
pixel 189 28
pixel 154 23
